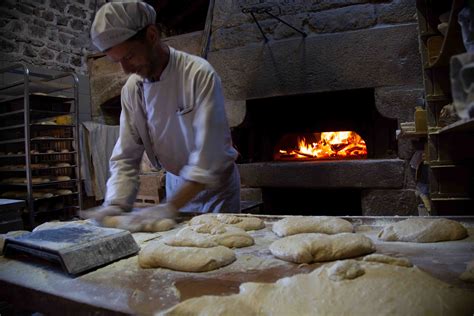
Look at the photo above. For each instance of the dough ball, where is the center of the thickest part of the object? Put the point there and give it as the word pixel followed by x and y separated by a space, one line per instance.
pixel 423 230
pixel 307 248
pixel 210 235
pixel 244 222
pixel 157 254
pixel 345 270
pixel 311 224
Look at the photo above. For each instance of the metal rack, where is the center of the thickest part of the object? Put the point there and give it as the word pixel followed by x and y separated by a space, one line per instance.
pixel 39 143
pixel 448 154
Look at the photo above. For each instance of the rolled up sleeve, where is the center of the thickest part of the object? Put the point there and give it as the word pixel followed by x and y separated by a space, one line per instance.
pixel 122 186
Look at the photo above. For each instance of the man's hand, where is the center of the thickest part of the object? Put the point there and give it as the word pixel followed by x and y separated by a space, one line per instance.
pixel 98 213
pixel 151 214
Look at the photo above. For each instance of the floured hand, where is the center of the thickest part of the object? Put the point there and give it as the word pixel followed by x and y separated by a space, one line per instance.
pixel 154 213
pixel 98 213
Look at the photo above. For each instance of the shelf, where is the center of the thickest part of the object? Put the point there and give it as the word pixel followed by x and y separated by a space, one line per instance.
pixel 35 185
pixel 12 127
pixel 51 125
pixel 447 198
pixel 36 139
pixel 459 126
pixel 54 197
pixel 35 125
pixel 21 140
pixel 24 169
pixel 38 96
pixel 452 43
pixel 67 207
pixel 12 141
pixel 16 89
pixel 438 98
pixel 413 135
pixel 39 154
pixel 35 114
pixel 12 113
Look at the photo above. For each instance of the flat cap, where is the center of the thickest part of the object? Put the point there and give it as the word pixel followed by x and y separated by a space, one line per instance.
pixel 115 22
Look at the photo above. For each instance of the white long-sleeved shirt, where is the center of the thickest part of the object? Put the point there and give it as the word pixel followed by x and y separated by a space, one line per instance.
pixel 187 124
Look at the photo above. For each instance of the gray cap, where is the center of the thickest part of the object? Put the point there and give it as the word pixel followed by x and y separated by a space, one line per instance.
pixel 115 22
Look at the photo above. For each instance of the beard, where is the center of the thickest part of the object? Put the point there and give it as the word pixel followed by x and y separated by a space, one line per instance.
pixel 149 68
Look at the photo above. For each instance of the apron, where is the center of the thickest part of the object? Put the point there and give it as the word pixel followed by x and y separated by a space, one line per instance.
pixel 222 199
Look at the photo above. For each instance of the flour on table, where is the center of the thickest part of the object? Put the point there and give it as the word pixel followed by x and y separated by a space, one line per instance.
pixel 373 289
pixel 423 230
pixel 311 224
pixel 307 248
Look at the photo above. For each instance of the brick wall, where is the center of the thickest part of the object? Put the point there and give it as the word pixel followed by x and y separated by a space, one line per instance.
pixel 47 33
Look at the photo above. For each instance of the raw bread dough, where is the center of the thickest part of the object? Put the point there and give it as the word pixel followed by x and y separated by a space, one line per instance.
pixel 246 223
pixel 375 257
pixel 63 178
pixel 14 233
pixel 311 224
pixel 382 290
pixel 210 235
pixel 345 270
pixel 423 230
pixel 123 222
pixel 306 248
pixel 468 274
pixel 157 254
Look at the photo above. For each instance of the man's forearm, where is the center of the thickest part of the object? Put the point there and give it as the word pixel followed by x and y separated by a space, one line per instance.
pixel 185 193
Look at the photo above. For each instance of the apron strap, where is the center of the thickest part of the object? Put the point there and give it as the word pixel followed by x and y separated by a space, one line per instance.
pixel 142 128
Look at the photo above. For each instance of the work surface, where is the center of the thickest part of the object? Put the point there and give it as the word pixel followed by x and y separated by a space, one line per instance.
pixel 124 287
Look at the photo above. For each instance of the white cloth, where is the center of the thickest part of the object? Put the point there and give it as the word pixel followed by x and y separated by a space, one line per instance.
pixel 115 22
pixel 188 130
pixel 97 143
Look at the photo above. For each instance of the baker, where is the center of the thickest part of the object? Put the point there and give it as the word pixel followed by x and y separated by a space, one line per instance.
pixel 172 108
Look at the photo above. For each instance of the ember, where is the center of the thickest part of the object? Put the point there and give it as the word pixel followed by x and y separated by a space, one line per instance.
pixel 326 145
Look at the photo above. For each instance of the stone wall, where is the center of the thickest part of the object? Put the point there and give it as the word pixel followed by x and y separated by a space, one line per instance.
pixel 47 33
pixel 350 44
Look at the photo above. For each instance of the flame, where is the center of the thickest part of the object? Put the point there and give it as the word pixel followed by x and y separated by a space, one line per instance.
pixel 332 145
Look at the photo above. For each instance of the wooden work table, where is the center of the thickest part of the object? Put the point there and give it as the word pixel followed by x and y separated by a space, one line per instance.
pixel 124 288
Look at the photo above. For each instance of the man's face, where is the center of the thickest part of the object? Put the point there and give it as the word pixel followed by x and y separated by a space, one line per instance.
pixel 136 57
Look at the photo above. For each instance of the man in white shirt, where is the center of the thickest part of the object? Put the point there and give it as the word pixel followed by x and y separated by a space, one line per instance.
pixel 172 108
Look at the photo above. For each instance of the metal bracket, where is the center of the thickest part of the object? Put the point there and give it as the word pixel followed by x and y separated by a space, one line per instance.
pixel 267 10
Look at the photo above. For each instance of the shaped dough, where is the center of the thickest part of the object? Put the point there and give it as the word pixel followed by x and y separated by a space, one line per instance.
pixel 157 254
pixel 423 230
pixel 246 223
pixel 311 224
pixel 306 248
pixel 210 235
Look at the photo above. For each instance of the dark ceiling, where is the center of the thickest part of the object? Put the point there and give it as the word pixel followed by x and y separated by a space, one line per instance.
pixel 180 16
